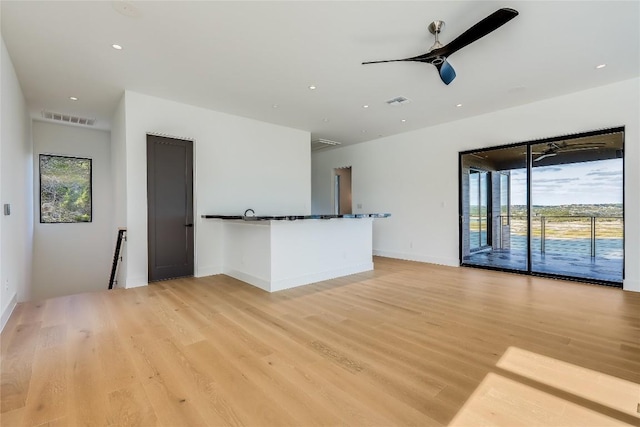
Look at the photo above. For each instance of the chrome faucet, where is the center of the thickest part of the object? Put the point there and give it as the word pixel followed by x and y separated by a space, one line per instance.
pixel 249 210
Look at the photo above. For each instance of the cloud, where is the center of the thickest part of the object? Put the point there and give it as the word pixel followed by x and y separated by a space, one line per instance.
pixel 537 182
pixel 606 183
pixel 605 173
pixel 546 169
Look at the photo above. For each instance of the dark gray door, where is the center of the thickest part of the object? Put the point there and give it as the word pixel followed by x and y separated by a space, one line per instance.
pixel 170 207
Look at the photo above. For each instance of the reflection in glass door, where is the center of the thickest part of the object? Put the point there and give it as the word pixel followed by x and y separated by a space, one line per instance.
pixel 494 230
pixel 479 213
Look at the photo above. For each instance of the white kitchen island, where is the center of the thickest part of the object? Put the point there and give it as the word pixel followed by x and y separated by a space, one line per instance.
pixel 281 254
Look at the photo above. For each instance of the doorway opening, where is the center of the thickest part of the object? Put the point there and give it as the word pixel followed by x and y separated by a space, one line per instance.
pixel 342 191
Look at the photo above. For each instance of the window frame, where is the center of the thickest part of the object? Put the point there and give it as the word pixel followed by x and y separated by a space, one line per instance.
pixel 40 156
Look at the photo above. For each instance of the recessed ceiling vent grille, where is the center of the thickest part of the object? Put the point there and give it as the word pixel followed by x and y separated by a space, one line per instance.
pixel 67 118
pixel 398 100
pixel 319 144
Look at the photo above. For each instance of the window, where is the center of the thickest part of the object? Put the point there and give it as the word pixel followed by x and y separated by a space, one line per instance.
pixel 65 189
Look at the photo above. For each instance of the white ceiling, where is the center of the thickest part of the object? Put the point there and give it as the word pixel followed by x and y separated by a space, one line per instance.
pixel 245 57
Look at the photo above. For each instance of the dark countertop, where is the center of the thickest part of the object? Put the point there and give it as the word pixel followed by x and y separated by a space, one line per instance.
pixel 295 217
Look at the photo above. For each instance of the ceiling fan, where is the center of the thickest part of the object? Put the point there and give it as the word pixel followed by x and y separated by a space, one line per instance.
pixel 438 54
pixel 555 148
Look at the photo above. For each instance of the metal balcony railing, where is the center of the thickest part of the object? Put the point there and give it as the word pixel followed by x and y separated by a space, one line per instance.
pixel 562 232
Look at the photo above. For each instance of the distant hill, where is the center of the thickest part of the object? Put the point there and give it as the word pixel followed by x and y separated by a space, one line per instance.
pixel 603 210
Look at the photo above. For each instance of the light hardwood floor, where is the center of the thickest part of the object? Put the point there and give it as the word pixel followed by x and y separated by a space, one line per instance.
pixel 406 344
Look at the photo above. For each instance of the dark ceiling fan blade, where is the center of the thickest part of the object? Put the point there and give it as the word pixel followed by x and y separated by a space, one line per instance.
pixel 544 156
pixel 572 149
pixel 380 62
pixel 491 23
pixel 447 73
pixel 425 57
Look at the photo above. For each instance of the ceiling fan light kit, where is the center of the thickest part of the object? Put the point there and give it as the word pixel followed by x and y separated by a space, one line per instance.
pixel 438 54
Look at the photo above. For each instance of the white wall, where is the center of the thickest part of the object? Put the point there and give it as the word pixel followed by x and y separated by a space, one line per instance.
pixel 414 176
pixel 16 188
pixel 119 183
pixel 239 163
pixel 74 258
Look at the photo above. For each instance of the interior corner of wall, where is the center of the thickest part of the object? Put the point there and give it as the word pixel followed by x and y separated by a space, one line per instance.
pixel 631 285
pixel 135 282
pixel 208 270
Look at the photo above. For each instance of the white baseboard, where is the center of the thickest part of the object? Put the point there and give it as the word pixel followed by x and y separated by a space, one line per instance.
pixel 292 282
pixel 451 262
pixel 282 284
pixel 209 270
pixel 631 285
pixel 250 279
pixel 6 314
pixel 136 282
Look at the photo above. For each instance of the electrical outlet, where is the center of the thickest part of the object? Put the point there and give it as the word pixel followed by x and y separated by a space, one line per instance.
pixel 359 205
pixel 6 285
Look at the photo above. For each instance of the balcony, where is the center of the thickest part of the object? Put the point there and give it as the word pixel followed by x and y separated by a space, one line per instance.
pixel 589 247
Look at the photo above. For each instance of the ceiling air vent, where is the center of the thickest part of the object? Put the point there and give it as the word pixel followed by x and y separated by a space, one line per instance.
pixel 398 100
pixel 59 117
pixel 319 144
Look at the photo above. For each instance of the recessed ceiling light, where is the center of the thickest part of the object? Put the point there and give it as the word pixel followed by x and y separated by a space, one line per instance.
pixel 312 87
pixel 116 46
pixel 458 105
pixel 601 66
pixel 403 120
pixel 363 131
pixel 275 106
pixel 365 106
pixel 325 120
pixel 73 98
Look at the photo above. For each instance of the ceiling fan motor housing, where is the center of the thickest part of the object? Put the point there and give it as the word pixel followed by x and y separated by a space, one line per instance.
pixel 435 27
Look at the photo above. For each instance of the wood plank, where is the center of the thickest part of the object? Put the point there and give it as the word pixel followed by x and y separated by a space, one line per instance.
pixel 129 406
pixel 16 367
pixel 48 392
pixel 406 344
pixel 85 379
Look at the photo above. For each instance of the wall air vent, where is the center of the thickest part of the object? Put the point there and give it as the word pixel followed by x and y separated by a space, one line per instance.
pixel 319 144
pixel 67 118
pixel 398 100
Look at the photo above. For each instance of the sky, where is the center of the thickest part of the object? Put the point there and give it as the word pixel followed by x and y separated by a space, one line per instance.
pixel 596 182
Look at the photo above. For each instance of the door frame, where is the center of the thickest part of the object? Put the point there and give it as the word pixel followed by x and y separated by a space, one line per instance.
pixel 191 204
pixel 528 145
pixel 337 189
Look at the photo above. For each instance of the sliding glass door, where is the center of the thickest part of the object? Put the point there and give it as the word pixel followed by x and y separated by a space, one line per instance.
pixel 552 207
pixel 576 207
